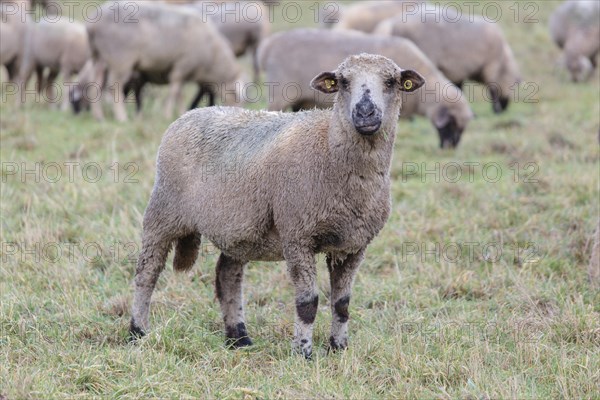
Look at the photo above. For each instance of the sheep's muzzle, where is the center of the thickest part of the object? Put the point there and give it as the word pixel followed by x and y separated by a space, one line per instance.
pixel 366 116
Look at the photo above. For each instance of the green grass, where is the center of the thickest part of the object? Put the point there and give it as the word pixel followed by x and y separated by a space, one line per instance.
pixel 521 322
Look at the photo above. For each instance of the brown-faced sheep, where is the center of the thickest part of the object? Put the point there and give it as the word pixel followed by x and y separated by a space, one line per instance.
pixel 463 47
pixel 575 28
pixel 61 46
pixel 364 16
pixel 439 100
pixel 276 186
pixel 244 24
pixel 164 40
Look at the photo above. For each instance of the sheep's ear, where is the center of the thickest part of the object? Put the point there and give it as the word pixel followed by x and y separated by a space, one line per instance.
pixel 410 80
pixel 325 82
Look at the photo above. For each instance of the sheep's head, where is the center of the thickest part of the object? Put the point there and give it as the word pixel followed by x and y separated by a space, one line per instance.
pixel 78 98
pixel 451 117
pixel 368 91
pixel 580 67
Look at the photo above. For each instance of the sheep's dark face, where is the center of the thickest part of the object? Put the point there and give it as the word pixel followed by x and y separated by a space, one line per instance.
pixel 368 88
pixel 77 99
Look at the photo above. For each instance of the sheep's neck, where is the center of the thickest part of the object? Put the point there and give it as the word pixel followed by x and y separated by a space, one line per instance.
pixel 352 153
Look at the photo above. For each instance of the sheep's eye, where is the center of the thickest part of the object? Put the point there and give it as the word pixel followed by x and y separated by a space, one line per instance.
pixel 390 83
pixel 345 83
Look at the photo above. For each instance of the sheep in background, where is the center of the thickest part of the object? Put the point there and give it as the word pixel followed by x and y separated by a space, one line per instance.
pixel 244 24
pixel 462 47
pixel 575 28
pixel 439 100
pixel 86 90
pixel 60 46
pixel 364 16
pixel 12 38
pixel 170 41
pixel 305 183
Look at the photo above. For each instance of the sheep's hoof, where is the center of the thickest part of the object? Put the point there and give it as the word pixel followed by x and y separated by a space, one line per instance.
pixel 236 343
pixel 307 353
pixel 335 346
pixel 303 348
pixel 237 336
pixel 135 332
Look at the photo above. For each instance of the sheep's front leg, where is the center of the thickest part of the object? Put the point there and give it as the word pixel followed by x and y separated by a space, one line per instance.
pixel 228 285
pixel 174 98
pixel 303 272
pixel 341 274
pixel 116 80
pixel 67 74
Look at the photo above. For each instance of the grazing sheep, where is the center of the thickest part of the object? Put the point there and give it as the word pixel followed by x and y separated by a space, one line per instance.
pixel 440 100
pixel 58 45
pixel 276 186
pixel 169 41
pixel 364 16
pixel 12 37
pixel 244 24
pixel 575 28
pixel 86 89
pixel 462 47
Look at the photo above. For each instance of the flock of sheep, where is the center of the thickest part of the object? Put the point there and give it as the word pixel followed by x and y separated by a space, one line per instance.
pixel 341 199
pixel 133 43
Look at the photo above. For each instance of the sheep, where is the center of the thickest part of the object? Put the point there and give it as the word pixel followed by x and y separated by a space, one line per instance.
pixel 440 100
pixel 86 89
pixel 462 47
pixel 308 183
pixel 164 40
pixel 364 16
pixel 60 46
pixel 12 37
pixel 243 24
pixel 575 28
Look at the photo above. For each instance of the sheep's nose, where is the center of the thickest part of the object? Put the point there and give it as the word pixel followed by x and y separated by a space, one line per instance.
pixel 366 116
pixel 365 108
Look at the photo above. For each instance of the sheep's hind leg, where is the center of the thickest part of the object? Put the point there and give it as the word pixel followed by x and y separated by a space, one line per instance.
pixel 151 262
pixel 303 272
pixel 341 275
pixel 228 285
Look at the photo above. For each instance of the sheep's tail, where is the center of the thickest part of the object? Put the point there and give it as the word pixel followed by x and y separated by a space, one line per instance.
pixel 186 252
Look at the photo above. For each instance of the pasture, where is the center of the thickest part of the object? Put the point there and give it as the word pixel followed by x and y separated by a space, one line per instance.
pixel 477 287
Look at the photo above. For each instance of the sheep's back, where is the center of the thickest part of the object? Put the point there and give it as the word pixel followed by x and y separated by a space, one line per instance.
pixel 161 35
pixel 573 16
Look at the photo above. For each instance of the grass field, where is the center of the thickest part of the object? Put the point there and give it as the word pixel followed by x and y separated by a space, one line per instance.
pixel 476 288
